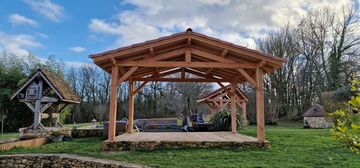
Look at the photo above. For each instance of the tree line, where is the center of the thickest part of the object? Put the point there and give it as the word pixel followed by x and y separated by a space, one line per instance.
pixel 322 53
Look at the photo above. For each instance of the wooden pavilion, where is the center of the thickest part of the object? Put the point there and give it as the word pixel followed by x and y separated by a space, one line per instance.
pixel 220 98
pixel 207 59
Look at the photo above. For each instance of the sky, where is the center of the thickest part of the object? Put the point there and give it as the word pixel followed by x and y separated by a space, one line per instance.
pixel 72 30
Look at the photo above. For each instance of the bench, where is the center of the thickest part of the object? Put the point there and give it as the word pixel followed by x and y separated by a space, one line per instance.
pixel 157 123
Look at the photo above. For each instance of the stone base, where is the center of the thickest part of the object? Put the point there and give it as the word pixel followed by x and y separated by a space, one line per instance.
pixel 26 133
pixel 152 145
pixel 84 133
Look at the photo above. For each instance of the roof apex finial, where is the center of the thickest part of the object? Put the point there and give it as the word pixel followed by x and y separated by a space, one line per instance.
pixel 189 30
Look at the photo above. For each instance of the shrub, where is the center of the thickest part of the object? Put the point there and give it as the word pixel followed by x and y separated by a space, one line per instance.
pixel 347 121
pixel 221 121
pixel 56 133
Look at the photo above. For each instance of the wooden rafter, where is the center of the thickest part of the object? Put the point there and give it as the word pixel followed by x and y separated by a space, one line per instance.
pixel 224 88
pixel 212 56
pixel 122 70
pixel 138 89
pixel 152 53
pixel 180 80
pixel 188 51
pixel 247 76
pixel 185 64
pixel 127 75
pixel 183 73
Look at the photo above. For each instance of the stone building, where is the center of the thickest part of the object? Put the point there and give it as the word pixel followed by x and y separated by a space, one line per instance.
pixel 315 118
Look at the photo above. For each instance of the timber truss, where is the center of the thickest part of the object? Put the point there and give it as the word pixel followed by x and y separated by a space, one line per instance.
pixel 171 58
pixel 219 99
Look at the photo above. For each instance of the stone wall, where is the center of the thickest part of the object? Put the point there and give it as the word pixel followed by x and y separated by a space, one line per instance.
pixel 84 133
pixel 59 161
pixel 152 145
pixel 316 122
pixel 26 133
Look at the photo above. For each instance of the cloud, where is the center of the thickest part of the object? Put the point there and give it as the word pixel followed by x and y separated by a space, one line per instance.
pixel 240 22
pixel 77 49
pixel 42 35
pixel 128 32
pixel 99 26
pixel 48 9
pixel 17 44
pixel 76 64
pixel 17 19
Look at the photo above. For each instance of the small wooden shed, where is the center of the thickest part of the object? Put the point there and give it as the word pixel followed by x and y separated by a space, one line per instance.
pixel 46 95
pixel 315 117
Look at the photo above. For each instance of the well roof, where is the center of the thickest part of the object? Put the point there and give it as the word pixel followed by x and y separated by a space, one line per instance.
pixel 57 83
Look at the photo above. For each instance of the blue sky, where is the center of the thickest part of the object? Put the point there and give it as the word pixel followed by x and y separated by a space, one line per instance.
pixel 59 34
pixel 71 30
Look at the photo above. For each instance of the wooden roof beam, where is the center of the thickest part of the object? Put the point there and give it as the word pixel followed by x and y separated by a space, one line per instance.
pixel 122 70
pixel 174 64
pixel 188 51
pixel 171 72
pixel 261 64
pixel 213 56
pixel 114 53
pixel 152 53
pixel 127 75
pixel 140 87
pixel 250 53
pixel 247 77
pixel 180 80
pixel 183 73
pixel 224 52
pixel 162 56
pixel 224 88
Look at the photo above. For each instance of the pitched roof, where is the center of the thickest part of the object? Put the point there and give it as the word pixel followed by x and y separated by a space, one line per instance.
pixel 187 34
pixel 207 53
pixel 212 95
pixel 58 84
pixel 315 111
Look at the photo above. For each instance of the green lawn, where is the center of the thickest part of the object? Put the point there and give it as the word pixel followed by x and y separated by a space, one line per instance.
pixel 12 135
pixel 292 146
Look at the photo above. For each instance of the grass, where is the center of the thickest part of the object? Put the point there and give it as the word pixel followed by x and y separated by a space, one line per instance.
pixel 12 135
pixel 292 146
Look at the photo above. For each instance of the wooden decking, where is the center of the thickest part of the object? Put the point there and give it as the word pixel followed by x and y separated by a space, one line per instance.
pixel 156 140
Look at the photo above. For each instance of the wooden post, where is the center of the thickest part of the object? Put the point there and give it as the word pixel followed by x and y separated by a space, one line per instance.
pixel 113 103
pixel 131 106
pixel 260 119
pixel 213 110
pixel 244 117
pixel 37 112
pixel 233 108
pixel 221 104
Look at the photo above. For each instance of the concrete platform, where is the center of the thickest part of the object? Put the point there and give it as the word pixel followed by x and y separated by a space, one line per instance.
pixel 158 140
